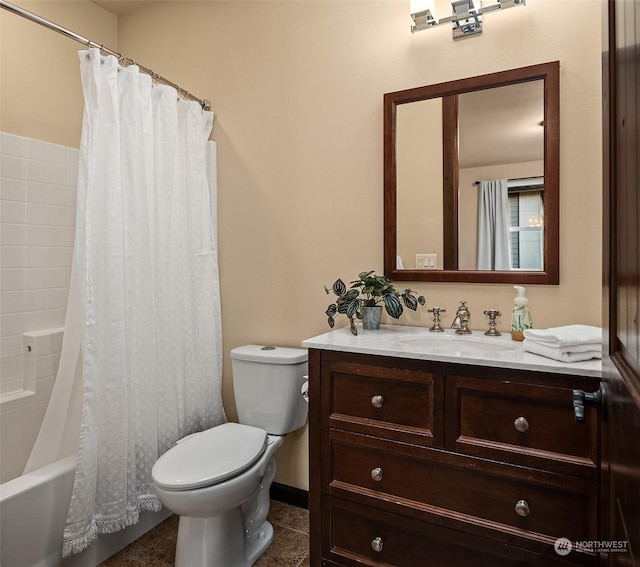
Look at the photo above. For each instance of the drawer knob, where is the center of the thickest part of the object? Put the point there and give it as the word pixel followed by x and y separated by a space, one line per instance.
pixel 521 424
pixel 376 544
pixel 522 508
pixel 376 474
pixel 377 401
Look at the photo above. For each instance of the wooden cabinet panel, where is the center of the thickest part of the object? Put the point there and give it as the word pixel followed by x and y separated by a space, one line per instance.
pixel 465 489
pixel 397 403
pixel 525 424
pixel 409 543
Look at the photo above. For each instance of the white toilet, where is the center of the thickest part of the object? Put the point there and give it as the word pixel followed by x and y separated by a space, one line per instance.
pixel 218 480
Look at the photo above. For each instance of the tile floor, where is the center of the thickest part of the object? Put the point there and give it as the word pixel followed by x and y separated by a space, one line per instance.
pixel 290 547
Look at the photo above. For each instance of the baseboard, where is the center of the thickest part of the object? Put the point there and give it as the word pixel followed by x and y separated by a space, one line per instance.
pixel 290 495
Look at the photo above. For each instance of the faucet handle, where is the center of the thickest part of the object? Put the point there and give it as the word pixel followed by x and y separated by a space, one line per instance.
pixel 492 314
pixel 436 328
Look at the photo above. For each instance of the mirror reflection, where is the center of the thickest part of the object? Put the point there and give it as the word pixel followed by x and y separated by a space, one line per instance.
pixel 501 142
pixel 469 185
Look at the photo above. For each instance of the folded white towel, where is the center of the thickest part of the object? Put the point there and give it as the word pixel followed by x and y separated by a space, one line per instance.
pixel 564 354
pixel 569 335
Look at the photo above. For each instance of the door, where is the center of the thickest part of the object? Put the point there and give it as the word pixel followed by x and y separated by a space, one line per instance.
pixel 621 290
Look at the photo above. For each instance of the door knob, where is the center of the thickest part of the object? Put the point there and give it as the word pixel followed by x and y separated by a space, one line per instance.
pixel 595 399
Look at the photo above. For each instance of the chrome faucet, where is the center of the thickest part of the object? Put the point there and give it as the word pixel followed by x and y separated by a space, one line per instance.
pixel 461 321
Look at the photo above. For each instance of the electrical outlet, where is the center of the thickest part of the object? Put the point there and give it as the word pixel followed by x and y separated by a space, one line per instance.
pixel 426 261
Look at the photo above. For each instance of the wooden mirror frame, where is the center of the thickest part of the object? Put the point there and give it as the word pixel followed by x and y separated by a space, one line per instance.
pixel 550 275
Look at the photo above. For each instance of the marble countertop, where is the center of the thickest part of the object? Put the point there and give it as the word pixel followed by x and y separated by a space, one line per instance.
pixel 476 349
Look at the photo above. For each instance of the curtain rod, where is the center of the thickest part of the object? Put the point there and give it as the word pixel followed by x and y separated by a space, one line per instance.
pixel 536 180
pixel 206 105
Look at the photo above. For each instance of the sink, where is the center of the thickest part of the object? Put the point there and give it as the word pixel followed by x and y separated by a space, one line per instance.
pixel 462 345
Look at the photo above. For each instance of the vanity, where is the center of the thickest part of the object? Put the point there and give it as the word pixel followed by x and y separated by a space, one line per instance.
pixel 436 449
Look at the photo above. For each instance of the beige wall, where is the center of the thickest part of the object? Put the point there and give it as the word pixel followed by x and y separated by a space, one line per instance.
pixel 40 90
pixel 297 89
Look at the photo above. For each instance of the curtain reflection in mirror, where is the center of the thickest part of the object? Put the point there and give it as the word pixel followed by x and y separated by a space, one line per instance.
pixel 494 251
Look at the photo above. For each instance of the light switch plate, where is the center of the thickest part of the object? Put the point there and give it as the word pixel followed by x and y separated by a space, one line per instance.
pixel 426 261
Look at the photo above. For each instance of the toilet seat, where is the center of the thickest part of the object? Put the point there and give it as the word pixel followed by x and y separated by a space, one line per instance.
pixel 209 457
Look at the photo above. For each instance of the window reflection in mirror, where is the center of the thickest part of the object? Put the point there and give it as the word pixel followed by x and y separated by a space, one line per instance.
pixel 526 226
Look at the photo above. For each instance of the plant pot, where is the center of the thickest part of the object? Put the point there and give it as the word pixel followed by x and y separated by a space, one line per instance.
pixel 371 317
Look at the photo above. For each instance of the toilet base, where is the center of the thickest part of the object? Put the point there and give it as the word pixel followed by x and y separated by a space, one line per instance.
pixel 237 536
pixel 257 544
pixel 219 542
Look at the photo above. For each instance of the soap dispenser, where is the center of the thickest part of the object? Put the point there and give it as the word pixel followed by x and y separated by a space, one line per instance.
pixel 521 318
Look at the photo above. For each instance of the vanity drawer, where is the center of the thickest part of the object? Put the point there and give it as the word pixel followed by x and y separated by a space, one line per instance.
pixel 531 505
pixel 361 535
pixel 395 403
pixel 526 424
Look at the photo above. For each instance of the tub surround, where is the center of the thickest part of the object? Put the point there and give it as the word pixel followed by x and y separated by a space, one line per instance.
pixel 405 342
pixel 460 449
pixel 38 200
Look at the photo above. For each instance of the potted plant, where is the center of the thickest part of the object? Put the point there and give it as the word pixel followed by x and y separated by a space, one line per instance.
pixel 362 300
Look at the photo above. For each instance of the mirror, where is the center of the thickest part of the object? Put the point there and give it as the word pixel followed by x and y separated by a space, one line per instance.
pixel 449 149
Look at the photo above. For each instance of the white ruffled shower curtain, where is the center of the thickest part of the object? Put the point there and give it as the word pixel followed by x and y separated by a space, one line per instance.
pixel 494 250
pixel 146 262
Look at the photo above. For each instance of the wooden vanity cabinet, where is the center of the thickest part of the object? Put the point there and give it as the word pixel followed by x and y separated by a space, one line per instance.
pixel 418 463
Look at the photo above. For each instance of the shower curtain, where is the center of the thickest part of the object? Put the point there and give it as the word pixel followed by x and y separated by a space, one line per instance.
pixel 494 251
pixel 147 273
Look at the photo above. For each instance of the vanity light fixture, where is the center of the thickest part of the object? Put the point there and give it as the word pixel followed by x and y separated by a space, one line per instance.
pixel 466 17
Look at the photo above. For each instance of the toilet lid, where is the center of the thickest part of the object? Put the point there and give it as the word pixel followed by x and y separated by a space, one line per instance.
pixel 209 457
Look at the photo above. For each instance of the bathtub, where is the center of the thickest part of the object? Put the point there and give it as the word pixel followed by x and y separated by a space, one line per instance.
pixel 33 511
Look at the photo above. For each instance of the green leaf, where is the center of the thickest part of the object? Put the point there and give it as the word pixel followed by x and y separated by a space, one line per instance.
pixel 352 328
pixel 346 299
pixel 331 322
pixel 332 310
pixel 363 275
pixel 353 307
pixel 393 306
pixel 410 302
pixel 351 295
pixel 338 287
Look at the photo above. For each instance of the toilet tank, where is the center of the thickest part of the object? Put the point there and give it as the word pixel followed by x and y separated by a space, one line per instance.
pixel 267 383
